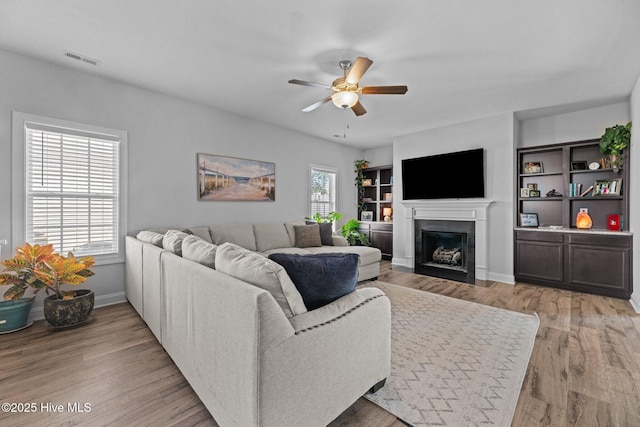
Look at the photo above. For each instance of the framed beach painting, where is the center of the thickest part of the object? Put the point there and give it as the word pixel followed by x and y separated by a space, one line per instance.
pixel 222 178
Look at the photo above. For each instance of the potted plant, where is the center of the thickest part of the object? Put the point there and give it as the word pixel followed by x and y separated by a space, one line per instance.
pixel 359 165
pixel 350 231
pixel 38 267
pixel 613 142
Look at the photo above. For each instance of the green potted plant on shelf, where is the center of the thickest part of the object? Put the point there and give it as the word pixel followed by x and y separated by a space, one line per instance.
pixel 38 267
pixel 350 231
pixel 359 165
pixel 613 142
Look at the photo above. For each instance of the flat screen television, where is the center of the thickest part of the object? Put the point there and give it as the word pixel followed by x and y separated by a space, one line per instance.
pixel 458 175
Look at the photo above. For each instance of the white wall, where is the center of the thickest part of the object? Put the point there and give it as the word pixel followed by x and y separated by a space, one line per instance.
pixel 634 195
pixel 379 156
pixel 574 126
pixel 495 135
pixel 164 134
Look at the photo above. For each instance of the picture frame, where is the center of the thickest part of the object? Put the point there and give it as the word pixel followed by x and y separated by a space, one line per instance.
pixel 529 220
pixel 534 193
pixel 367 182
pixel 607 187
pixel 224 178
pixel 579 166
pixel 366 216
pixel 529 168
pixel 524 192
pixel 532 186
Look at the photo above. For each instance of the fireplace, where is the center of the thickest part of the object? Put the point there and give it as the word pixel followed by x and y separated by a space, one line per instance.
pixel 445 249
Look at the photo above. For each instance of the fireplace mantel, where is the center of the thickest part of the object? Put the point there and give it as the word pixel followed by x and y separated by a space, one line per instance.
pixel 449 210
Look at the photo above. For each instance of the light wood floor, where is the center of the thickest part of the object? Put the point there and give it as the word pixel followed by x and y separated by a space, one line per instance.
pixel 584 370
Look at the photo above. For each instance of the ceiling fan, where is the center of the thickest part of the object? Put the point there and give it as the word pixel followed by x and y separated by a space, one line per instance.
pixel 346 92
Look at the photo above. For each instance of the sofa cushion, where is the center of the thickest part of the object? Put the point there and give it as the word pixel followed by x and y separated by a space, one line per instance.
pixel 238 234
pixel 367 255
pixel 291 232
pixel 307 236
pixel 326 232
pixel 202 232
pixel 172 241
pixel 271 236
pixel 260 271
pixel 152 237
pixel 320 278
pixel 196 249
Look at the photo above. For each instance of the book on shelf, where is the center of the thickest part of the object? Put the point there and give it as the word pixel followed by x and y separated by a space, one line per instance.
pixel 587 191
pixel 575 189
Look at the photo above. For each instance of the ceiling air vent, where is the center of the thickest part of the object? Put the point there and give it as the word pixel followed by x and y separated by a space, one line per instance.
pixel 81 58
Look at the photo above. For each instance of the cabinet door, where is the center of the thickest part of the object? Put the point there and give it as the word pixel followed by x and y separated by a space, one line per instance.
pixel 382 240
pixel 540 261
pixel 601 263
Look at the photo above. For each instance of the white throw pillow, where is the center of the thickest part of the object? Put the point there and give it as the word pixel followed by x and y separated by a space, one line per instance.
pixel 150 237
pixel 260 271
pixel 196 249
pixel 172 241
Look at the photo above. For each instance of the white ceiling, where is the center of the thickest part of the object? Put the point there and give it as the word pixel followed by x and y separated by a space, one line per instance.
pixel 461 59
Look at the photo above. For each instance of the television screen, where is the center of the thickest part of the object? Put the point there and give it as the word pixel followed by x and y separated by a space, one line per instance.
pixel 458 175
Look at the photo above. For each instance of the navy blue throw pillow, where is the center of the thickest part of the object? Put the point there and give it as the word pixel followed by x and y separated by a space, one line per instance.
pixel 320 278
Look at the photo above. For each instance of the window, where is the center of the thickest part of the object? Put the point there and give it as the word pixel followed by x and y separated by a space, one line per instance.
pixel 323 190
pixel 72 187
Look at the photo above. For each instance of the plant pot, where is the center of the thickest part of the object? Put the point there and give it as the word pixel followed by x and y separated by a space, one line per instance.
pixel 69 312
pixel 615 161
pixel 14 314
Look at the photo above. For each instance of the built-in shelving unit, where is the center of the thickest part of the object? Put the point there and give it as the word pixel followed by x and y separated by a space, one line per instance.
pixel 378 191
pixel 378 194
pixel 557 253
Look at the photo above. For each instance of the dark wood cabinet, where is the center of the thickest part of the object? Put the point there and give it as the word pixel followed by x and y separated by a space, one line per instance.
pixel 556 253
pixel 590 262
pixel 380 235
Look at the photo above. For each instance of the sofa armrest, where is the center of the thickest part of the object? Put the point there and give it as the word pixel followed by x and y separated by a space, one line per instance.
pixel 338 352
pixel 334 310
pixel 340 241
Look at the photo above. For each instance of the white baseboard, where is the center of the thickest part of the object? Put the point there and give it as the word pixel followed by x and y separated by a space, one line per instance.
pixel 509 279
pixel 37 313
pixel 634 303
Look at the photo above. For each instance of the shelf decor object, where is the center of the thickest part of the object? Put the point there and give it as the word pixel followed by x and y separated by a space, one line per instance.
pixel 583 220
pixel 528 220
pixel 387 214
pixel 614 222
pixel 533 167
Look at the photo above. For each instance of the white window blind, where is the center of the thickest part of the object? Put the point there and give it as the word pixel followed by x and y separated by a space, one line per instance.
pixel 72 182
pixel 323 190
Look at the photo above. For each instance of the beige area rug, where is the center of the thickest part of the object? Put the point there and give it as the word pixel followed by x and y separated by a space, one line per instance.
pixel 453 363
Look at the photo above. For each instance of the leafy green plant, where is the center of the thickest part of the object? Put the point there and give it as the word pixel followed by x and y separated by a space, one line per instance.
pixel 358 166
pixel 615 139
pixel 331 217
pixel 39 268
pixel 350 231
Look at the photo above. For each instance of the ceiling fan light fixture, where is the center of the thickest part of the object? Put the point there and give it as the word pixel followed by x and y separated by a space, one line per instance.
pixel 344 99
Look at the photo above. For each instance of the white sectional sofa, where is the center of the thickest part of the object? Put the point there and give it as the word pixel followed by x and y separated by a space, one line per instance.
pixel 250 364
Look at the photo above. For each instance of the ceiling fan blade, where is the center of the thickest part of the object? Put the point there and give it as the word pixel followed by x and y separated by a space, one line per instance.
pixel 317 104
pixel 361 65
pixel 358 109
pixel 306 83
pixel 384 90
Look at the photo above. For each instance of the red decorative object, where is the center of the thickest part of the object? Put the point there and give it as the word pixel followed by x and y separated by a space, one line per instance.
pixel 613 222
